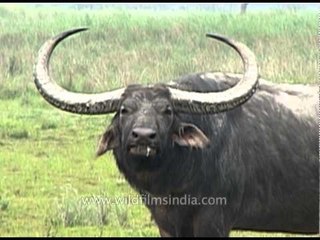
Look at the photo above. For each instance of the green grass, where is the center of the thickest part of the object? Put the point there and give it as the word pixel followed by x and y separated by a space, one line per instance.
pixel 47 156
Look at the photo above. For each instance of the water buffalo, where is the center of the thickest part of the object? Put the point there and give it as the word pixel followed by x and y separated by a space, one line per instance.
pixel 210 135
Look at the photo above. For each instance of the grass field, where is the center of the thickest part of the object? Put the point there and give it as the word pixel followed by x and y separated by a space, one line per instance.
pixel 47 158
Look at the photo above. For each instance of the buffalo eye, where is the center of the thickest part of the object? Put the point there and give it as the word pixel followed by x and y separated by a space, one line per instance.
pixel 123 110
pixel 168 110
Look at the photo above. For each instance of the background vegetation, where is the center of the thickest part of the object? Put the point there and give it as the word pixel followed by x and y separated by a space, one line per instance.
pixel 47 156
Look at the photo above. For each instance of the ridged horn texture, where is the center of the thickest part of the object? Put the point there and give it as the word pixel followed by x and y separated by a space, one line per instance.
pixel 215 102
pixel 98 103
pixel 107 102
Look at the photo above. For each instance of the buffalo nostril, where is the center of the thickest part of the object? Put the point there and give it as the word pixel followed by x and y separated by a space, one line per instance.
pixel 152 135
pixel 134 134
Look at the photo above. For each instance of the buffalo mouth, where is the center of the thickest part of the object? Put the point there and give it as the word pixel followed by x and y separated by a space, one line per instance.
pixel 142 150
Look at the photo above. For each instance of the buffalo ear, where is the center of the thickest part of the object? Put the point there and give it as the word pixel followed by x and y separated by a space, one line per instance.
pixel 107 142
pixel 190 135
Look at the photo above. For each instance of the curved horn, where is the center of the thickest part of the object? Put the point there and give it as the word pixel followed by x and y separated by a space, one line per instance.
pixel 80 103
pixel 215 102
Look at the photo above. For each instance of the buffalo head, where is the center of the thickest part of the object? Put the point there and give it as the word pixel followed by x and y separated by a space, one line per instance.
pixel 146 126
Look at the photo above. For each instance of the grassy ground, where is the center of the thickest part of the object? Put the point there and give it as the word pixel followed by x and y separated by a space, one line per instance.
pixel 47 156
